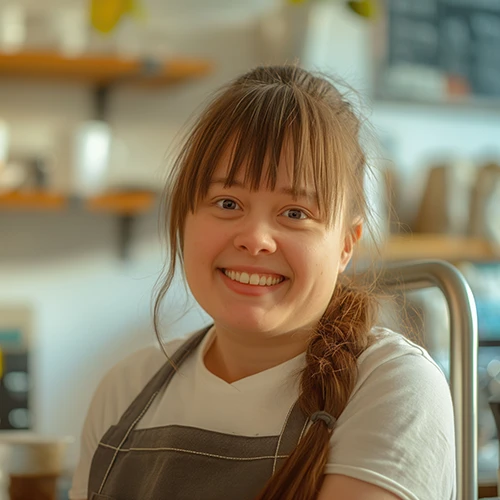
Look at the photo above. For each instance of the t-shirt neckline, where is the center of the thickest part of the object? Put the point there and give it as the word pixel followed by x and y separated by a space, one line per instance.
pixel 265 379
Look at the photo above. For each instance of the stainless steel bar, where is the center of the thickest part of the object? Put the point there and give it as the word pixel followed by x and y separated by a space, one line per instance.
pixel 463 354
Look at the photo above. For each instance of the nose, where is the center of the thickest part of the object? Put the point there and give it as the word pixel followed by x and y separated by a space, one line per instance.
pixel 255 237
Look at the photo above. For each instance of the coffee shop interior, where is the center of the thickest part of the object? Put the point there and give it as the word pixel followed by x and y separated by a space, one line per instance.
pixel 94 96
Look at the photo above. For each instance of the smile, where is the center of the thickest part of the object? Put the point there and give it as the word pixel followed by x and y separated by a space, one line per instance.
pixel 253 279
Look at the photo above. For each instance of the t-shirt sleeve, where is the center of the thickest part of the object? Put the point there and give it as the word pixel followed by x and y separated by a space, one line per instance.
pixel 397 431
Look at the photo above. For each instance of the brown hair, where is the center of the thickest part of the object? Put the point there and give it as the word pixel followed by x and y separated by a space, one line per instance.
pixel 257 115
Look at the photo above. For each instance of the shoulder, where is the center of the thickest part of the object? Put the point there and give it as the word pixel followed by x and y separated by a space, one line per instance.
pixel 390 349
pixel 117 389
pixel 397 376
pixel 127 378
pixel 400 411
pixel 393 362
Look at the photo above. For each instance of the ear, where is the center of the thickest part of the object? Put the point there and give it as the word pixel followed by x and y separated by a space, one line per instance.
pixel 351 237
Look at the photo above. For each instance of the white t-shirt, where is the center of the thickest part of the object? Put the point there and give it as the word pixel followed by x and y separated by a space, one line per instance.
pixel 397 430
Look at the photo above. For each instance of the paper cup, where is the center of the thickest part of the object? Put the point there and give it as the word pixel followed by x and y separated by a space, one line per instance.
pixel 34 465
pixel 31 453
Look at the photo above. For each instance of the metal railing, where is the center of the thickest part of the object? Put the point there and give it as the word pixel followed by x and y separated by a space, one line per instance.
pixel 415 275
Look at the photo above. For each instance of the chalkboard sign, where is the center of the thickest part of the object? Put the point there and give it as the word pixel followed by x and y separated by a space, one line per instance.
pixel 439 50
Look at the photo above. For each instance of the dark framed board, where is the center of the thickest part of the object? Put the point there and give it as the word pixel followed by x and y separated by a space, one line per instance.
pixel 16 324
pixel 438 51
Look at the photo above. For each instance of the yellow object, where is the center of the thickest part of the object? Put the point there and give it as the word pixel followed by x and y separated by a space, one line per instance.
pixel 106 14
pixel 365 8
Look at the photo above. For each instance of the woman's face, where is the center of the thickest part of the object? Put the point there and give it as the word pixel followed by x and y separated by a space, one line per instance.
pixel 262 262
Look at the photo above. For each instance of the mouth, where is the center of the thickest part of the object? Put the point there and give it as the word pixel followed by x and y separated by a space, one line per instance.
pixel 253 279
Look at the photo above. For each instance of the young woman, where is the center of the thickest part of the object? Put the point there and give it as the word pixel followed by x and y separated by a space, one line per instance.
pixel 292 392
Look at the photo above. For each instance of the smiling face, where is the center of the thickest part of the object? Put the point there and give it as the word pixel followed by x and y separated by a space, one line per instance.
pixel 257 254
pixel 262 261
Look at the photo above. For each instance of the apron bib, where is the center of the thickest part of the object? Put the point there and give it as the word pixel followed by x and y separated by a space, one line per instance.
pixel 185 463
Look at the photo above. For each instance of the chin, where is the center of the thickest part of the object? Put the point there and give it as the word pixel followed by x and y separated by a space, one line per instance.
pixel 248 323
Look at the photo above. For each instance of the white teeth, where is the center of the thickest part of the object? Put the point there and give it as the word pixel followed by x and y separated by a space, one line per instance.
pixel 253 279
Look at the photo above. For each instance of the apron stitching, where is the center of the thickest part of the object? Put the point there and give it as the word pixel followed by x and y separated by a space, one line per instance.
pixel 213 455
pixel 134 423
pixel 306 423
pixel 280 437
pixel 145 409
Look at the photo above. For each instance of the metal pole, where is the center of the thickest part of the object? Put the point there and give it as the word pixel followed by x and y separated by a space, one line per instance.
pixel 463 354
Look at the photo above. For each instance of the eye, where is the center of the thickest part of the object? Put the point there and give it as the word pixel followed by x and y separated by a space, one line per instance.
pixel 227 204
pixel 295 213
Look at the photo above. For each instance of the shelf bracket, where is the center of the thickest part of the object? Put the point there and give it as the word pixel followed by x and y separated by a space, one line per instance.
pixel 125 228
pixel 101 100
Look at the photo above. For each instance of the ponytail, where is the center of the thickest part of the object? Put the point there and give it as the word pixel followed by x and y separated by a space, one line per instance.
pixel 326 384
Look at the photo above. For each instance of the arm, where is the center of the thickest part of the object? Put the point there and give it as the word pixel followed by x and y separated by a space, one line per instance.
pixel 338 487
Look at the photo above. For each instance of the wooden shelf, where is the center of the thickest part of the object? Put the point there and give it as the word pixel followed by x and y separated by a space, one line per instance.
pixel 32 200
pixel 124 203
pixel 118 203
pixel 101 69
pixel 434 246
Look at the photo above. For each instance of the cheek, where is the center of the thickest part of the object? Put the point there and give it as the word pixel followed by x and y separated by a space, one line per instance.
pixel 193 242
pixel 321 264
pixel 202 243
pixel 308 262
pixel 192 239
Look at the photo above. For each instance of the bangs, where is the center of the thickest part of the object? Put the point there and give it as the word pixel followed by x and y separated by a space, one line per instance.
pixel 256 128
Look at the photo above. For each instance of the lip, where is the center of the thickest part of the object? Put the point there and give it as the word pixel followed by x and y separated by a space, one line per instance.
pixel 247 289
pixel 254 270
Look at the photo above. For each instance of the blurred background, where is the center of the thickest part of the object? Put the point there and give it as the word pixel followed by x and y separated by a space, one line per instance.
pixel 93 97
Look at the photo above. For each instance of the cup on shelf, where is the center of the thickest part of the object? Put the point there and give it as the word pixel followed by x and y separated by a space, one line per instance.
pixel 485 206
pixel 12 27
pixel 96 150
pixel 71 24
pixel 4 142
pixel 445 204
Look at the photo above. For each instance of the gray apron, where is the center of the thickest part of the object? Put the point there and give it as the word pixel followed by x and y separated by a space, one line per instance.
pixel 185 463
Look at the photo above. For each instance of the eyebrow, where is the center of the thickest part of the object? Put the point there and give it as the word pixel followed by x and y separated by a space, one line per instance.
pixel 299 193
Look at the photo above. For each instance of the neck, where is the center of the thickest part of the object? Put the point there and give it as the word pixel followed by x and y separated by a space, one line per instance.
pixel 233 357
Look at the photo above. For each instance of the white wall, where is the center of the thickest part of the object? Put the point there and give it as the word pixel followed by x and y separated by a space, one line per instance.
pixel 92 309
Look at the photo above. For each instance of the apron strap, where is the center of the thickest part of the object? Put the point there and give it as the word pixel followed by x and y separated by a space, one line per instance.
pixel 118 434
pixel 142 402
pixel 293 429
